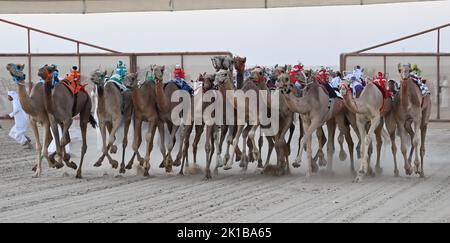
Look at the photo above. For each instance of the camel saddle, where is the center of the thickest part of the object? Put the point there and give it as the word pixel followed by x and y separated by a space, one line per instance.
pixel 421 83
pixel 381 85
pixel 74 86
pixel 119 85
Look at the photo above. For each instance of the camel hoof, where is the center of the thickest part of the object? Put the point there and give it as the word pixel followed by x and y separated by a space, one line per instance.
pixel 78 176
pixel 296 165
pixel 141 161
pixel 314 168
pixel 342 155
pixel 238 158
pixel 370 172
pixel 114 164
pixel 146 174
pixel 168 169
pixel 34 168
pixel 396 173
pixel 122 170
pixel 243 162
pixel 378 170
pixel 422 174
pixel 207 178
pixel 113 149
pixel 162 165
pixel 227 167
pixel 358 178
pixel 177 162
pixel 181 173
pixel 260 164
pixel 322 162
pixel 129 166
pixel 408 171
pixel 59 165
pixel 66 157
pixel 98 164
pixel 37 174
pixel 256 156
pixel 219 161
pixel 72 165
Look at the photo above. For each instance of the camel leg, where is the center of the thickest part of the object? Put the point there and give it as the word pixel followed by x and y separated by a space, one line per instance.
pixel 271 144
pixel 423 132
pixel 391 128
pixel 162 145
pixel 185 155
pixel 348 138
pixel 184 129
pixel 209 134
pixel 149 138
pixel 378 137
pixel 361 124
pixel 244 159
pixel 320 154
pixel 137 139
pixel 249 144
pixel 367 139
pixel 38 166
pixel 310 127
pixel 104 148
pixel 255 152
pixel 126 127
pixel 403 148
pixel 223 133
pixel 229 164
pixel 415 143
pixel 198 134
pixel 331 127
pixel 168 161
pixel 230 136
pixel 280 144
pixel 298 159
pixel 302 132
pixel 83 126
pixel 112 135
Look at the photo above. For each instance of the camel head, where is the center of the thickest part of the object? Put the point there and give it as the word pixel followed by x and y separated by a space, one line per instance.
pixel 16 71
pixel 158 72
pixel 98 77
pixel 404 70
pixel 283 83
pixel 46 72
pixel 222 76
pixel 217 62
pixel 239 63
pixel 131 80
pixel 208 81
pixel 228 63
pixel 257 75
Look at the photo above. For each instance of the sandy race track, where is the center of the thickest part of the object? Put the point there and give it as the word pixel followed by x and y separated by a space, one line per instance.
pixel 103 196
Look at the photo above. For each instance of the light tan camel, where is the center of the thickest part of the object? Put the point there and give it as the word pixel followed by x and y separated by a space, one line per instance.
pixel 62 105
pixel 316 109
pixel 369 108
pixel 115 108
pixel 33 105
pixel 224 80
pixel 415 110
pixel 145 110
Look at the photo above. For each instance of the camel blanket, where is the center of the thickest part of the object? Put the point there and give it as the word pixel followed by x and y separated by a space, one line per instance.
pixel 420 82
pixel 120 85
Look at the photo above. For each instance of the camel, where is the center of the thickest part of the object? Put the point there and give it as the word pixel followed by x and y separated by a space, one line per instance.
pixel 62 106
pixel 207 83
pixel 33 105
pixel 163 94
pixel 370 107
pixel 414 109
pixel 316 109
pixel 145 110
pixel 223 79
pixel 114 108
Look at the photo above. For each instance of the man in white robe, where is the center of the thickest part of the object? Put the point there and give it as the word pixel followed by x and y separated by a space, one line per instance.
pixel 20 119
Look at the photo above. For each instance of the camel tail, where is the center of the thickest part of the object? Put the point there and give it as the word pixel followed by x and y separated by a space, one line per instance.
pixel 92 121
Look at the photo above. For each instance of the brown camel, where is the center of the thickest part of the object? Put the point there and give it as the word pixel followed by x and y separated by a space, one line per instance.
pixel 33 105
pixel 206 81
pixel 414 109
pixel 114 108
pixel 145 110
pixel 369 108
pixel 62 105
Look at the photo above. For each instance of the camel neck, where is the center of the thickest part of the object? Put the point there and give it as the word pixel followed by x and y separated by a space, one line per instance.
pixel 25 100
pixel 48 96
pixel 162 101
pixel 239 79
